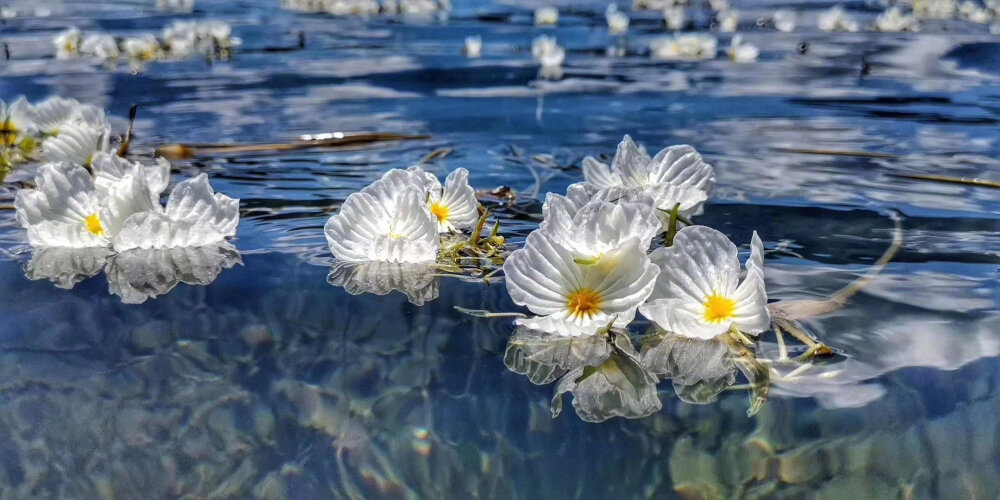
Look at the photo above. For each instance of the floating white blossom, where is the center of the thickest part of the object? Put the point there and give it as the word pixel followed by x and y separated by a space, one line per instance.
pixel 383 224
pixel 473 47
pixel 617 20
pixel 740 51
pixel 176 6
pixel 674 17
pixel 935 9
pixel 676 175
pixel 784 20
pixel 100 45
pixel 546 16
pixel 893 19
pixel 577 299
pixel 108 169
pixel 548 53
pixel 684 47
pixel 77 142
pixel 973 12
pixel 52 114
pixel 141 48
pixel 65 210
pixel 16 123
pixel 836 19
pixel 453 205
pixel 599 226
pixel 729 21
pixel 698 293
pixel 67 43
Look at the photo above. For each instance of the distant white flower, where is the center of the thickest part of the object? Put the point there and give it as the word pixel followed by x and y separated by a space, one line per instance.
pixel 141 48
pixel 935 9
pixel 574 299
pixel 893 20
pixel 684 47
pixel 546 16
pixel 77 142
pixel 176 6
pixel 195 216
pixel 548 53
pixel 836 19
pixel 473 47
pixel 676 175
pixel 719 5
pixel 65 210
pixel 728 21
pixel 698 293
pixel 16 123
pixel 674 17
pixel 599 226
pixel 973 12
pixel 100 45
pixel 67 43
pixel 384 225
pixel 784 20
pixel 740 51
pixel 617 20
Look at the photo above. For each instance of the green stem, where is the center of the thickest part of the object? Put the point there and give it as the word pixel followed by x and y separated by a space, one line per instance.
pixel 672 225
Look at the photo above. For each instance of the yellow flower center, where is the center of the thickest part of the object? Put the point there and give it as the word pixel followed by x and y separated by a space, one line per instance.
pixel 94 225
pixel 440 211
pixel 8 134
pixel 584 303
pixel 718 308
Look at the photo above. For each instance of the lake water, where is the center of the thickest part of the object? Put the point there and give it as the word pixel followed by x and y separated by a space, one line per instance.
pixel 269 381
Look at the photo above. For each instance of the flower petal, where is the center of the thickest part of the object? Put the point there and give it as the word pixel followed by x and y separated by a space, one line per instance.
pixel 599 174
pixel 64 192
pixel 195 202
pixel 631 163
pixel 751 315
pixel 460 200
pixel 157 230
pixel 682 166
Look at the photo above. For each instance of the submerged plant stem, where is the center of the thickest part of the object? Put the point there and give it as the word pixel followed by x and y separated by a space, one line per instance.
pixel 337 140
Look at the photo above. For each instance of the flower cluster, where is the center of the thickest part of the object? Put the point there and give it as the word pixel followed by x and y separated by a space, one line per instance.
pixel 399 217
pixel 56 129
pixel 179 40
pixel 115 203
pixel 587 267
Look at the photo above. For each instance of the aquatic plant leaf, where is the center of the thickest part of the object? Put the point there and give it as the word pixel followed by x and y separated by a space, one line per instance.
pixel 415 280
pixel 65 266
pixel 618 387
pixel 141 274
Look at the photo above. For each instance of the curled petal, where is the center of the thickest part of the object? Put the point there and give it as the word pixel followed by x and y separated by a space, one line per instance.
pixel 459 199
pixel 77 142
pixel 599 174
pixel 683 166
pixel 149 230
pixel 64 192
pixel 195 202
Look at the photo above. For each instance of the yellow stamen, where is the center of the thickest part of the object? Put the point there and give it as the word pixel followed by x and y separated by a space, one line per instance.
pixel 584 303
pixel 94 225
pixel 8 134
pixel 440 211
pixel 718 308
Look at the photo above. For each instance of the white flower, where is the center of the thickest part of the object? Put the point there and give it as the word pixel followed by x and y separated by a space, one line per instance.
pixel 697 294
pixel 893 19
pixel 617 20
pixel 454 205
pixel 195 216
pixel 836 19
pixel 674 17
pixel 108 169
pixel 51 115
pixel 676 175
pixel 935 9
pixel 740 51
pixel 973 12
pixel 384 225
pixel 729 21
pixel 473 47
pixel 67 43
pixel 546 16
pixel 176 6
pixel 598 227
pixel 141 48
pixel 77 142
pixel 100 45
pixel 548 53
pixel 685 47
pixel 65 210
pixel 784 20
pixel 574 299
pixel 16 123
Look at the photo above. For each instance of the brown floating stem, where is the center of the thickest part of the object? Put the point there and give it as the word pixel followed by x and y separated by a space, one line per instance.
pixel 951 180
pixel 834 152
pixel 333 140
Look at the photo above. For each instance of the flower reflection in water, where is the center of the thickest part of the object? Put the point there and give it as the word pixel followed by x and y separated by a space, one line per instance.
pixel 415 280
pixel 133 275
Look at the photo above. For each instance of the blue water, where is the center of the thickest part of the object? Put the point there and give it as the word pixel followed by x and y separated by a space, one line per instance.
pixel 270 382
